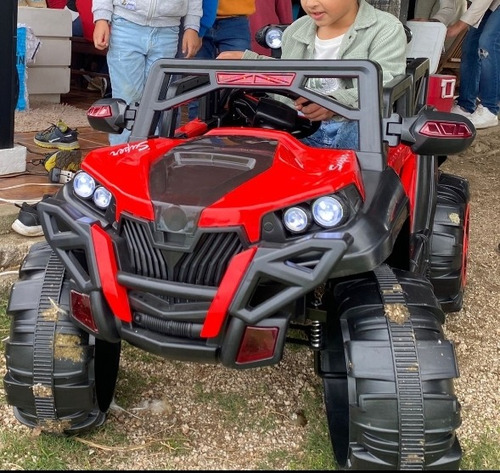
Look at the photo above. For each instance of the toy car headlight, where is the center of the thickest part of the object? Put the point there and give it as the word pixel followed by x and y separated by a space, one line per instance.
pixel 273 38
pixel 102 197
pixel 296 219
pixel 83 185
pixel 270 36
pixel 327 211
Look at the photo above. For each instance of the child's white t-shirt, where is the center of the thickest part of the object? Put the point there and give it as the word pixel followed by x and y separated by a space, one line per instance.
pixel 326 49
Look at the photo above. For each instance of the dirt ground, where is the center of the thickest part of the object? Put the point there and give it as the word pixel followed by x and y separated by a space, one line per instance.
pixel 187 416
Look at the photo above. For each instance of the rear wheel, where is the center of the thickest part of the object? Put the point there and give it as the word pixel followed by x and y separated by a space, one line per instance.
pixel 59 378
pixel 388 383
pixel 449 242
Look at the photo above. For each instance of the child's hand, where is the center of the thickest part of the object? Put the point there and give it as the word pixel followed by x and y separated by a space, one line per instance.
pixel 230 55
pixel 312 111
pixel 101 34
pixel 191 43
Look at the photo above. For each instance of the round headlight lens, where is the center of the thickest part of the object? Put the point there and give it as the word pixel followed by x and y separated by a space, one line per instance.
pixel 84 185
pixel 296 219
pixel 327 211
pixel 102 197
pixel 273 38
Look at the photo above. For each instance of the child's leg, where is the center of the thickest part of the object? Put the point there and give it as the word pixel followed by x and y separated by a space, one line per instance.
pixel 233 34
pixel 126 59
pixel 333 134
pixel 163 43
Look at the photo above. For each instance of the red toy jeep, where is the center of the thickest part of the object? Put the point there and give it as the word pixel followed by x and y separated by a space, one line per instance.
pixel 208 242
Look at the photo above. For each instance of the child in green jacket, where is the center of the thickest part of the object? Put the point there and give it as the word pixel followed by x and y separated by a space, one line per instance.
pixel 339 29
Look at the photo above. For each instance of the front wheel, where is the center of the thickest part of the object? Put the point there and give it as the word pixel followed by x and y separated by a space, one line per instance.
pixel 58 378
pixel 388 379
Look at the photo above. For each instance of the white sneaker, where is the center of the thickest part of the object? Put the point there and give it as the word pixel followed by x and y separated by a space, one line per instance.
pixel 458 109
pixel 483 118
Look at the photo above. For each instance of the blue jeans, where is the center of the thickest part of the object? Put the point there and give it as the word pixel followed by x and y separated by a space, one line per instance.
pixel 333 134
pixel 226 34
pixel 132 50
pixel 480 65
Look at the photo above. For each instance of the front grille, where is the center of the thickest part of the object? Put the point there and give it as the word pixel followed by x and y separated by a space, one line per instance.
pixel 205 265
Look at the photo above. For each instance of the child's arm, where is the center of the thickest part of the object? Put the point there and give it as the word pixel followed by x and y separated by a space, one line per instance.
pixel 191 43
pixel 101 34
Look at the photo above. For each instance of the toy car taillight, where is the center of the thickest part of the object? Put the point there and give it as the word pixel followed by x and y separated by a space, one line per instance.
pixel 443 129
pixel 99 111
pixel 108 115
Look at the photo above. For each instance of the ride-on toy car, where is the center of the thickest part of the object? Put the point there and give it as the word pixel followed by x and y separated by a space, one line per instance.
pixel 222 239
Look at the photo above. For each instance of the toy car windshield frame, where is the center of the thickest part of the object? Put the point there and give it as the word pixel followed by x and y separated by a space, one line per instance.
pixel 173 82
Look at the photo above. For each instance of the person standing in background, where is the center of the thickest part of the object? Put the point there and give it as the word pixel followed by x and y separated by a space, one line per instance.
pixel 445 11
pixel 269 12
pixel 479 64
pixel 139 32
pixel 229 32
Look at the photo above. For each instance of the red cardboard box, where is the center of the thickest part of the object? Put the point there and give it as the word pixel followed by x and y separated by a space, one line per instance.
pixel 441 91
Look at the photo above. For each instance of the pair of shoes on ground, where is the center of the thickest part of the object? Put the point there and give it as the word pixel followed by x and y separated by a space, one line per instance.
pixel 28 221
pixel 480 118
pixel 58 136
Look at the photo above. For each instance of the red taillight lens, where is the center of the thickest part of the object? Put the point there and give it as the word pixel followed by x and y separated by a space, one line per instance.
pixel 442 129
pixel 258 344
pixel 99 111
pixel 82 310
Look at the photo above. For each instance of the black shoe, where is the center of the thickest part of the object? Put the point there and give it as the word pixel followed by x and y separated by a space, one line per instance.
pixel 59 136
pixel 28 221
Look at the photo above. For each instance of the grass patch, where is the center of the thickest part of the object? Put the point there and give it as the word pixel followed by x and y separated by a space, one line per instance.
pixel 233 406
pixel 43 452
pixel 484 455
pixel 318 454
pixel 4 321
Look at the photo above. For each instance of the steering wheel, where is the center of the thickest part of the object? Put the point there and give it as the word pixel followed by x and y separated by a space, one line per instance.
pixel 258 109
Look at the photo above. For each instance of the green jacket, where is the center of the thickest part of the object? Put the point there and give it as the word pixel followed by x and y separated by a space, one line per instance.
pixel 375 35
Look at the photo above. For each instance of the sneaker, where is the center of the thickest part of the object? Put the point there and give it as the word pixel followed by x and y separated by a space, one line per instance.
pixel 67 160
pixel 59 136
pixel 27 222
pixel 98 84
pixel 458 109
pixel 483 118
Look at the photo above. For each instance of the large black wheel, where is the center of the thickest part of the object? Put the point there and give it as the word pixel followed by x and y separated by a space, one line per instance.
pixel 58 377
pixel 388 378
pixel 449 242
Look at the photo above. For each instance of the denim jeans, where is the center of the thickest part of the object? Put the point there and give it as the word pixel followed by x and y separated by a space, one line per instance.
pixel 480 65
pixel 132 50
pixel 226 34
pixel 334 134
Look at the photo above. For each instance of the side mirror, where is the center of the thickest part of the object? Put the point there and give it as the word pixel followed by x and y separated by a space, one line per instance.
pixel 436 133
pixel 108 115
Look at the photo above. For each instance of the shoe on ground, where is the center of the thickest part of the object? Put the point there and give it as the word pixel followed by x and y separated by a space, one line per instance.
pixel 483 118
pixel 460 111
pixel 67 160
pixel 27 222
pixel 98 84
pixel 58 136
